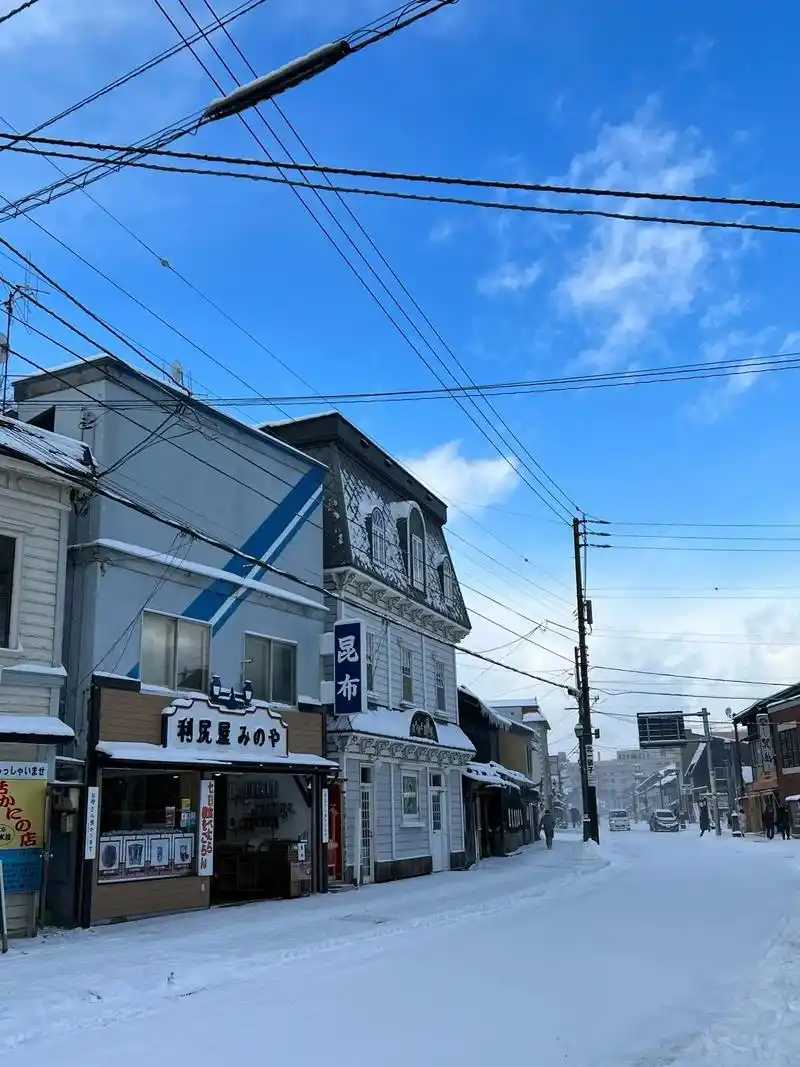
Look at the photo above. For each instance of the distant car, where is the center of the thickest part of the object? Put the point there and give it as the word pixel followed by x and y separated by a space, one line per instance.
pixel 619 820
pixel 664 819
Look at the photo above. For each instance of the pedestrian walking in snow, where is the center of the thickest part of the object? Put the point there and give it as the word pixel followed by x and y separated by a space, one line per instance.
pixel 573 814
pixel 549 827
pixel 705 821
pixel 784 822
pixel 769 822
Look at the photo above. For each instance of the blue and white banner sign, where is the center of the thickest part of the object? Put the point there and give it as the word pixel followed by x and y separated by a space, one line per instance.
pixel 349 667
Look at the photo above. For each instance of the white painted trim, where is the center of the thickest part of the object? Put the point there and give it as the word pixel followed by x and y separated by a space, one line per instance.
pixel 392 801
pixel 16 589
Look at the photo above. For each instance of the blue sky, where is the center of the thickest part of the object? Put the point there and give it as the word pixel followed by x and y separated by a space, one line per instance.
pixel 679 99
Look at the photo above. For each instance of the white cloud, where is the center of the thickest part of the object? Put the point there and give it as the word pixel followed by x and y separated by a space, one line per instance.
pixel 629 276
pixel 472 484
pixel 698 48
pixel 66 22
pixel 510 277
pixel 717 400
pixel 443 231
pixel 719 314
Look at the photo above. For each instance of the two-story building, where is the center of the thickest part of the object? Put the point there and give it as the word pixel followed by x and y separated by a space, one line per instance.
pixel 42 476
pixel 194 665
pixel 398 808
pixel 769 733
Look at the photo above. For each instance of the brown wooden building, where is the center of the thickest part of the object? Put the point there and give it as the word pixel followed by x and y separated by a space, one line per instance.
pixel 194 800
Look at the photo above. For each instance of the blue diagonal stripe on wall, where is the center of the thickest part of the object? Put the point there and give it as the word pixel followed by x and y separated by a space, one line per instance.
pixel 220 600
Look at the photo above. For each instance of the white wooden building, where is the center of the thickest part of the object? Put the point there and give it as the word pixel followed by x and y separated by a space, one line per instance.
pixel 41 475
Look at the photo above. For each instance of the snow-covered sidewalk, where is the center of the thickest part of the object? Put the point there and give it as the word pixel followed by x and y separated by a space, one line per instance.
pixel 85 979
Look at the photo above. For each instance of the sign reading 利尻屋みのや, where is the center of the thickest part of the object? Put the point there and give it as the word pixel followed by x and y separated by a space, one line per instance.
pixel 201 728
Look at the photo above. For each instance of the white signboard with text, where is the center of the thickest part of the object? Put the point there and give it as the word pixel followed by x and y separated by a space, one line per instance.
pixel 92 811
pixel 325 816
pixel 202 729
pixel 205 830
pixel 22 771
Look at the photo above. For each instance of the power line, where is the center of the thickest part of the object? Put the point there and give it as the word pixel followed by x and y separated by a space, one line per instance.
pixel 432 198
pixel 305 184
pixel 685 548
pixel 16 11
pixel 436 179
pixel 691 677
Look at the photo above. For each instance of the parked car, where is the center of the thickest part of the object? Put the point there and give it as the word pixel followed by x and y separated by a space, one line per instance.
pixel 664 819
pixel 619 820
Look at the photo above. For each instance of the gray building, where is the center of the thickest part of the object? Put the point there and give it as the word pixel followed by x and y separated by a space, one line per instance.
pixel 398 810
pixel 155 615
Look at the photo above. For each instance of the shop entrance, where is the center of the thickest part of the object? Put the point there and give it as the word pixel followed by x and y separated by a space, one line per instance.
pixel 262 837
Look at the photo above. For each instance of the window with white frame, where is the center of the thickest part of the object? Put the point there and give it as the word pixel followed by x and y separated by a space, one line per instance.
pixel 406 673
pixel 410 795
pixel 370 661
pixel 378 536
pixel 8 560
pixel 447 581
pixel 416 540
pixel 438 677
pixel 174 652
pixel 271 666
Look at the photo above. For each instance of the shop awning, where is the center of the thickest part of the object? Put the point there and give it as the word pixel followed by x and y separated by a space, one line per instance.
pixel 142 752
pixel 34 729
pixel 483 774
pixel 399 725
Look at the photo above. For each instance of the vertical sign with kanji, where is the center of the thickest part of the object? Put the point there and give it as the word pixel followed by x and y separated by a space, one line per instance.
pixel 325 816
pixel 349 668
pixel 92 811
pixel 205 844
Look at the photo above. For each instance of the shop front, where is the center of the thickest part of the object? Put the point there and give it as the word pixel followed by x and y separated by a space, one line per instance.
pixel 220 809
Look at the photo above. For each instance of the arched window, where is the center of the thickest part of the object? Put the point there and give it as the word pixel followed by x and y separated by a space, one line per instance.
pixel 447 581
pixel 378 536
pixel 416 539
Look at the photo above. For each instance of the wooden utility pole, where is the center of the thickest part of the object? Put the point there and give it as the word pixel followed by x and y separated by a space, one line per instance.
pixel 591 828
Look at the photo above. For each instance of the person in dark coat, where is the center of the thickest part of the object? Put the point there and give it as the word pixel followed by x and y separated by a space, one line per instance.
pixel 705 821
pixel 573 814
pixel 769 822
pixel 549 827
pixel 784 822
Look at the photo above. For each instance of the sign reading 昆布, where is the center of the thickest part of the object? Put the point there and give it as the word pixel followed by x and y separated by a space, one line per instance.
pixel 203 729
pixel 349 667
pixel 205 844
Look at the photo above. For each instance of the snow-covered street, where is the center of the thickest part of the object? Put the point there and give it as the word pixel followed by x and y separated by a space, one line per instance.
pixel 666 933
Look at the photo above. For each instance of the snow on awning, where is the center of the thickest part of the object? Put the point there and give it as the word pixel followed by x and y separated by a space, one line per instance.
pixel 794 796
pixel 504 722
pixel 387 722
pixel 36 729
pixel 143 752
pixel 484 774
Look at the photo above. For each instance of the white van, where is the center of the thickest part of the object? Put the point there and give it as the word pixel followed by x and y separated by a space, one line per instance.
pixel 619 820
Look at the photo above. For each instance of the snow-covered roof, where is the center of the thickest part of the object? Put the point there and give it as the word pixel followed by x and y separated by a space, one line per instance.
pixel 794 796
pixel 386 722
pixel 504 722
pixel 485 774
pixel 514 776
pixel 63 454
pixel 191 567
pixel 142 752
pixel 517 702
pixel 42 727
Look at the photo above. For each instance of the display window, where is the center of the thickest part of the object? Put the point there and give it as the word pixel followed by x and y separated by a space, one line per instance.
pixel 148 825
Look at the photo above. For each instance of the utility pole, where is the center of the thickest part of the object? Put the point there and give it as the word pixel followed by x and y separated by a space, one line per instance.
pixel 711 778
pixel 14 292
pixel 591 828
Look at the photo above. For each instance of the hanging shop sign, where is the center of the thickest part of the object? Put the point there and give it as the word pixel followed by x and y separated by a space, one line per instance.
pixel 92 812
pixel 203 729
pixel 22 802
pixel 205 843
pixel 349 668
pixel 326 825
pixel 765 740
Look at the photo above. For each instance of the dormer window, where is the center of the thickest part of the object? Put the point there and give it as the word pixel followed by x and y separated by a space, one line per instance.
pixel 416 531
pixel 377 536
pixel 446 579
